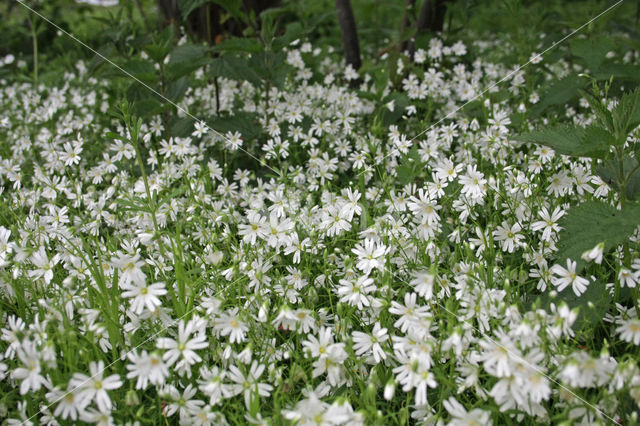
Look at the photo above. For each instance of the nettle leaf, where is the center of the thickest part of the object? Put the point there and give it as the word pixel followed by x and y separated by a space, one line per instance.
pixel 590 142
pixel 627 113
pixel 591 223
pixel 185 59
pixel 559 92
pixel 608 172
pixel 591 52
pixel 245 123
pixel 141 69
pixel 603 115
pixel 235 68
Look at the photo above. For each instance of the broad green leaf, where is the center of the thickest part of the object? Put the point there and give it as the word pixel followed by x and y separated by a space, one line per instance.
pixel 591 52
pixel 620 72
pixel 591 142
pixel 627 113
pixel 186 59
pixel 559 92
pixel 608 172
pixel 243 122
pixel 237 44
pixel 141 69
pixel 176 89
pixel 604 117
pixel 234 68
pixel 591 223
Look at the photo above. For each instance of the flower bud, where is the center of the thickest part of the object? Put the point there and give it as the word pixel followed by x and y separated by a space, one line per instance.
pixel 390 389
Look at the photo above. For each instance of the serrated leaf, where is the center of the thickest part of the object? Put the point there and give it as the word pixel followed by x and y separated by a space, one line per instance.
pixel 627 113
pixel 559 92
pixel 591 223
pixel 176 89
pixel 608 172
pixel 141 69
pixel 186 59
pixel 243 122
pixel 603 115
pixel 234 68
pixel 590 142
pixel 591 52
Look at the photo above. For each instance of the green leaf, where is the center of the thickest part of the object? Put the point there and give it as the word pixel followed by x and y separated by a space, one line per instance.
pixel 186 59
pixel 591 142
pixel 141 69
pixel 243 122
pixel 176 89
pixel 591 52
pixel 559 92
pixel 237 44
pixel 621 72
pixel 626 114
pixel 608 172
pixel 591 223
pixel 410 167
pixel 605 119
pixel 235 68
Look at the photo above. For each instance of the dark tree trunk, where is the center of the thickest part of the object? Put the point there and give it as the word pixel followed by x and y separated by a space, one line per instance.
pixel 170 13
pixel 432 16
pixel 349 33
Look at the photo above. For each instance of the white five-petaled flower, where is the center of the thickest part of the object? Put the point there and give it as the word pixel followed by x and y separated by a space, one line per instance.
pixel 184 346
pixel 370 255
pixel 568 276
pixel 549 223
pixel 371 344
pixel 144 295
pixel 95 386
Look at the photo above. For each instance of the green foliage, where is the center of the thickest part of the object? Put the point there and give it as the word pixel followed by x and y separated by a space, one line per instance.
pixel 591 141
pixel 594 222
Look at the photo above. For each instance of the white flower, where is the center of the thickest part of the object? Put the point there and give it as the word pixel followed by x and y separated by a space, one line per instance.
pixel 44 265
pixel 370 255
pixel 594 254
pixel 629 330
pixel 94 386
pixel 565 277
pixel 248 384
pixel 355 292
pixel 147 368
pixel 509 236
pixel 144 295
pixel 462 417
pixel 423 284
pixel 370 344
pixel 184 347
pixel 230 325
pixel 31 373
pixel 473 183
pixel 549 223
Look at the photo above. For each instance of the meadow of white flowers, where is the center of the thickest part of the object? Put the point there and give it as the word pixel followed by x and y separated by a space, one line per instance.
pixel 325 284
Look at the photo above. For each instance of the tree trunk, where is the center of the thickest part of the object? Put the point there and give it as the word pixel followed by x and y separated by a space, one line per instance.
pixel 432 16
pixel 349 33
